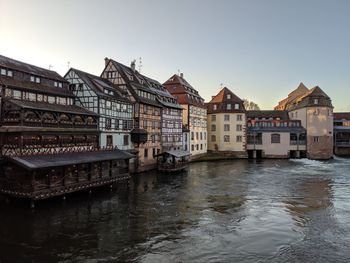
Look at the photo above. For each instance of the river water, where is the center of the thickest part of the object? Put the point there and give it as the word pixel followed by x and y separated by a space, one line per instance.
pixel 229 211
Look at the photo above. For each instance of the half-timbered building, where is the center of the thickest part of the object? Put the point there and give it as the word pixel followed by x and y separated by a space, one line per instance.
pixel 194 114
pixel 108 101
pixel 48 145
pixel 146 134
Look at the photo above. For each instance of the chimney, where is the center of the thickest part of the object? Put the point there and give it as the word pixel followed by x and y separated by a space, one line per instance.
pixel 133 65
pixel 181 75
pixel 106 61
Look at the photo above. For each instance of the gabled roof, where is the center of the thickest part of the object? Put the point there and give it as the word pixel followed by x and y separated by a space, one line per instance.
pixel 317 92
pixel 183 91
pixel 28 68
pixel 222 97
pixel 221 101
pixel 99 84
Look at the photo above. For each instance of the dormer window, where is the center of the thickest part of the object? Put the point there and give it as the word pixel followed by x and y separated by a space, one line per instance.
pixel 3 71
pixel 215 107
pixel 34 79
pixel 236 106
pixel 315 101
pixel 228 96
pixel 229 106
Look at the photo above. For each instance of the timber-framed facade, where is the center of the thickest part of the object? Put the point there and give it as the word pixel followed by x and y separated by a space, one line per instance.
pixel 49 145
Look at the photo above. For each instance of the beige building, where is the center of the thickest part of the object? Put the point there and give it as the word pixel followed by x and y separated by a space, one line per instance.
pixel 227 124
pixel 271 134
pixel 194 114
pixel 315 111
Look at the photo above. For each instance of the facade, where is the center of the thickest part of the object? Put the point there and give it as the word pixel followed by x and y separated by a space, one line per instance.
pixel 227 124
pixel 108 101
pixel 146 134
pixel 315 111
pixel 194 114
pixel 48 145
pixel 271 134
pixel 171 115
pixel 341 133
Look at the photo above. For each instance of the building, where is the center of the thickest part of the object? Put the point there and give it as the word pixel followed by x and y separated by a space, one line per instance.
pixel 171 115
pixel 341 133
pixel 194 114
pixel 108 101
pixel 299 91
pixel 146 134
pixel 227 124
pixel 48 145
pixel 271 134
pixel 315 111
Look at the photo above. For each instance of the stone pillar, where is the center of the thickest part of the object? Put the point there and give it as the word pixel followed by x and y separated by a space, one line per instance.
pixel 254 154
pixel 297 154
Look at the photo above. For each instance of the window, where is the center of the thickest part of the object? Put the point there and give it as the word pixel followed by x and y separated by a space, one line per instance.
pixel 201 146
pixel 3 71
pixel 213 117
pixel 192 136
pixel 215 107
pixel 31 96
pixel 108 124
pixel 145 124
pixel 109 140
pixel 239 117
pixel 228 96
pixel 32 78
pixel 37 79
pixel 17 94
pixel 205 135
pixel 238 138
pixel 315 138
pixel 227 117
pixel 197 137
pixel 236 106
pixel 275 138
pixel 213 138
pixel 9 73
pixel 228 106
pixel 239 127
pixel 51 100
pixel 154 152
pixel 226 127
pixel 55 83
pixel 60 84
pixel 315 101
pixel 213 127
pixel 192 147
pixel 226 138
pixel 146 153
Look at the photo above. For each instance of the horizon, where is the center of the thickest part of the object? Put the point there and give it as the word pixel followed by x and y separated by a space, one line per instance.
pixel 262 58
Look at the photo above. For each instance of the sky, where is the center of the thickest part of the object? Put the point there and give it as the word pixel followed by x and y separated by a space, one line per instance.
pixel 260 49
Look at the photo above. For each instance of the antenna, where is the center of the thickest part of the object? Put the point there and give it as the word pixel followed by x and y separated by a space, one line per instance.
pixel 50 66
pixel 68 64
pixel 178 72
pixel 221 84
pixel 140 64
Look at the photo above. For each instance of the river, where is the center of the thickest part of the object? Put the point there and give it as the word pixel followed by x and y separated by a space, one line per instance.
pixel 228 211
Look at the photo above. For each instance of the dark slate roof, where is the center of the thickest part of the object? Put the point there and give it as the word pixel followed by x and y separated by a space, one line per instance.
pixel 28 68
pixel 98 84
pixel 35 87
pixel 282 114
pixel 341 116
pixel 276 129
pixel 56 160
pixel 176 153
pixel 44 106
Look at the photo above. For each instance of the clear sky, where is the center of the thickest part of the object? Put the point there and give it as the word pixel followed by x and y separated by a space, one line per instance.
pixel 260 49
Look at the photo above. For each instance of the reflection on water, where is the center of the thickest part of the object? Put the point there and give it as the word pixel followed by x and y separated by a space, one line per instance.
pixel 232 211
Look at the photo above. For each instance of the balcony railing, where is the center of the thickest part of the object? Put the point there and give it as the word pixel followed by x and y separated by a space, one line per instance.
pixel 256 141
pixel 343 143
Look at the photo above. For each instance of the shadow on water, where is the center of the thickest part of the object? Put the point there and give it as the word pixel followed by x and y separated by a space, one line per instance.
pixel 229 211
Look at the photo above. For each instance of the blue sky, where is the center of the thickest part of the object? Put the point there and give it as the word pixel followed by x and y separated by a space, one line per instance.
pixel 260 49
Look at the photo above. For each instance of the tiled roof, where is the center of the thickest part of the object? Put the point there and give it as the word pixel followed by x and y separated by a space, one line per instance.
pixel 221 101
pixel 36 87
pixel 281 114
pixel 44 106
pixel 28 68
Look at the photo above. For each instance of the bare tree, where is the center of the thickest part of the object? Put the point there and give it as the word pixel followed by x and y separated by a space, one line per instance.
pixel 250 105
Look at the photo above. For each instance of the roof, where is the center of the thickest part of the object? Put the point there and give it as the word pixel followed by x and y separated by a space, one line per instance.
pixel 183 91
pixel 281 114
pixel 221 100
pixel 299 91
pixel 44 106
pixel 277 129
pixel 99 84
pixel 341 116
pixel 28 68
pixel 36 87
pixel 176 153
pixel 55 160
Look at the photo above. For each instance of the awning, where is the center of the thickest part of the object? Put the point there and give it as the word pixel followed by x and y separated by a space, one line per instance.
pixel 176 153
pixel 55 160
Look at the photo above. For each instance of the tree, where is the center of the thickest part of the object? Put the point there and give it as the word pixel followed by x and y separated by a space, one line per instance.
pixel 250 105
